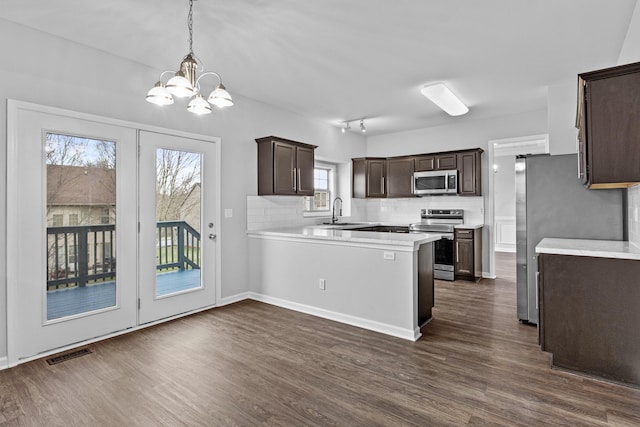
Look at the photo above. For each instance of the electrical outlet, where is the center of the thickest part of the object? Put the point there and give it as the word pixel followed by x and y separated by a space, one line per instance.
pixel 228 213
pixel 391 256
pixel 323 284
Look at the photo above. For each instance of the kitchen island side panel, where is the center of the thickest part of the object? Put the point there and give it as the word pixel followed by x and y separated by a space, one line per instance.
pixel 360 283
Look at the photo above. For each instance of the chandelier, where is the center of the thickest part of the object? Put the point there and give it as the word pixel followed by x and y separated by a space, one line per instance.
pixel 186 84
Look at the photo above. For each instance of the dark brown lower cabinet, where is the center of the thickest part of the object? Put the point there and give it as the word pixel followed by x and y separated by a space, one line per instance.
pixel 468 254
pixel 590 314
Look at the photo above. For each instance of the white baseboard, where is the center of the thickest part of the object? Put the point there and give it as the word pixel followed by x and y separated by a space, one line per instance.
pixel 504 248
pixel 232 299
pixel 486 275
pixel 371 325
pixel 4 363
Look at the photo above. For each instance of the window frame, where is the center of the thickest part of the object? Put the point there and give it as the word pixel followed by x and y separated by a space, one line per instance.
pixel 332 190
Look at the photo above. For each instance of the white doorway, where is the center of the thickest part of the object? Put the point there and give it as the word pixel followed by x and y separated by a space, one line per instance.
pixel 85 247
pixel 502 205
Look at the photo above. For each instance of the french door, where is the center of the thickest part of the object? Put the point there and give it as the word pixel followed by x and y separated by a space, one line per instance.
pixel 71 223
pixel 177 225
pixel 109 227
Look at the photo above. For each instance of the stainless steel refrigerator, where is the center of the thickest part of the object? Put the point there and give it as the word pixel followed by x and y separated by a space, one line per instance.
pixel 551 202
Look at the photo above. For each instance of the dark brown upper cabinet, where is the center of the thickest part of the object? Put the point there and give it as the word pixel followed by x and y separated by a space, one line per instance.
pixel 435 162
pixel 393 176
pixel 469 177
pixel 608 122
pixel 400 177
pixel 285 167
pixel 368 177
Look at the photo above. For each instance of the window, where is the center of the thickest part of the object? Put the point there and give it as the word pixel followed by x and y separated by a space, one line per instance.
pixel 324 186
pixel 57 220
pixel 72 254
pixel 105 216
pixel 73 219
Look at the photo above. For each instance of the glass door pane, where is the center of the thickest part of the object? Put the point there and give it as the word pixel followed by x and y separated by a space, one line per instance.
pixel 80 225
pixel 178 221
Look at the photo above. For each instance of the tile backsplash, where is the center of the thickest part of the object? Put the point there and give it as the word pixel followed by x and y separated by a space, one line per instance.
pixel 288 211
pixel 275 212
pixel 406 211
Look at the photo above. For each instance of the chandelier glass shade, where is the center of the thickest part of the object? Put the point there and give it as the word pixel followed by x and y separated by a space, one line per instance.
pixel 185 83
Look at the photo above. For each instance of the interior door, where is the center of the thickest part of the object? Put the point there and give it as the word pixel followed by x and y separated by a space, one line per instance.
pixel 177 255
pixel 71 229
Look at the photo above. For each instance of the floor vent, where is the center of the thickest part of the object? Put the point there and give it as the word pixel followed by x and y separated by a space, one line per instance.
pixel 67 356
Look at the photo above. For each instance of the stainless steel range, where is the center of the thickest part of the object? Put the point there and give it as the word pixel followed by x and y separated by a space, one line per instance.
pixel 440 221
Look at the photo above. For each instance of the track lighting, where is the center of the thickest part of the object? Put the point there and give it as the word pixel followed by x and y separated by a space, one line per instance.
pixel 185 84
pixel 347 125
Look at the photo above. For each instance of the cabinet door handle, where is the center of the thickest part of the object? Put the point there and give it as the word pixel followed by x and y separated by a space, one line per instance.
pixel 537 285
pixel 295 180
pixel 300 178
pixel 382 185
pixel 457 253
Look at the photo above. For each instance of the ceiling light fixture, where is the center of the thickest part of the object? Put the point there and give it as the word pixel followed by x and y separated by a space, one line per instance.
pixel 346 127
pixel 185 84
pixel 362 128
pixel 442 96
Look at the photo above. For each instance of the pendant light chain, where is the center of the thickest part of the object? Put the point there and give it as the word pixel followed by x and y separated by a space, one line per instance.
pixel 190 26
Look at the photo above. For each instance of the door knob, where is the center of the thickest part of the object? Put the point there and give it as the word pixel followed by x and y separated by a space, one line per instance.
pixel 212 236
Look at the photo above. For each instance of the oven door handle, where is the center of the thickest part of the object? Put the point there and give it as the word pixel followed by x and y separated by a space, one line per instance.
pixel 447 237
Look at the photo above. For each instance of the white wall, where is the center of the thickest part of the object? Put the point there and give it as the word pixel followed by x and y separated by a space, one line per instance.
pixel 630 53
pixel 467 133
pixel 504 185
pixel 561 116
pixel 45 70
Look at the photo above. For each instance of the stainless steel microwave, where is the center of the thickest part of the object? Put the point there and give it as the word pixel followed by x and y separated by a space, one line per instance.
pixel 435 182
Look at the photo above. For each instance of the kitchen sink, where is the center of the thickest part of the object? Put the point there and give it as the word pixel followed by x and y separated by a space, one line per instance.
pixel 384 229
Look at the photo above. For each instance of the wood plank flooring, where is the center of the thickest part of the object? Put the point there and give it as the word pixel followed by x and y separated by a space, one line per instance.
pixel 251 364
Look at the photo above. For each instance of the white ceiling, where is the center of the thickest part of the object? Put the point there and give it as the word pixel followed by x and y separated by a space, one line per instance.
pixel 345 59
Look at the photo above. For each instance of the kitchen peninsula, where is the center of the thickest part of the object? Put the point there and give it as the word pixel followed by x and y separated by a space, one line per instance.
pixel 377 281
pixel 588 298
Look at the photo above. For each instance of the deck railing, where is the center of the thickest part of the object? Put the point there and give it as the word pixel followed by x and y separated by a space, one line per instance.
pixel 178 246
pixel 83 254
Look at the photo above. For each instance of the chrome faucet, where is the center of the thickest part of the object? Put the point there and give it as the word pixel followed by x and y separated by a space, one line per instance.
pixel 334 218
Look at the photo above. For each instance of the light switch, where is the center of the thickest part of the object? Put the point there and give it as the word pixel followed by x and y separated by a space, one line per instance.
pixel 228 213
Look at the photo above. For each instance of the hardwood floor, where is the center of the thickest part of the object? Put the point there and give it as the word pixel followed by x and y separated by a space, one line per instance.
pixel 251 364
pixel 506 265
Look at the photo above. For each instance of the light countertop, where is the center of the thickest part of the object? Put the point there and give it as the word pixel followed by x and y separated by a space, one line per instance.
pixel 410 240
pixel 469 226
pixel 590 248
